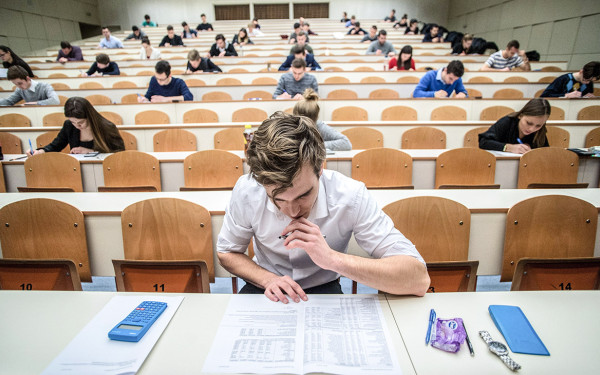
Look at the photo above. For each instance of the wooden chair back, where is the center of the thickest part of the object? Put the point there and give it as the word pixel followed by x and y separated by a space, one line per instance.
pixel 38 274
pixel 399 113
pixel 212 169
pixel 262 94
pixel 43 228
pixel 47 137
pixel 124 85
pixel 194 82
pixel 465 167
pixel 60 86
pixel 230 139
pixel 557 137
pixel 448 113
pixel 216 96
pixel 495 113
pixel 408 79
pixel 131 169
pixel 129 140
pixel 424 138
pixel 547 165
pixel 589 113
pixel 516 79
pixel 14 120
pixel 265 81
pixel 480 79
pixel 438 227
pixel 548 226
pixel 349 113
pixel 557 114
pixel 168 229
pixel 384 94
pixel 473 93
pixel 53 170
pixel 229 82
pixel 249 115
pixel 455 276
pixel 54 119
pixel 174 140
pixel 342 94
pixel 508 94
pixel 2 182
pixel 113 117
pixel 593 138
pixel 98 99
pixel 382 168
pixel 151 276
pixel 152 117
pixel 91 85
pixel 200 116
pixel 372 79
pixel 557 274
pixel 129 99
pixel 472 137
pixel 11 144
pixel 336 79
pixel 363 138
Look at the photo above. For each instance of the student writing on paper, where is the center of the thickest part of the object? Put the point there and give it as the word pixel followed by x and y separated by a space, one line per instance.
pixel 302 217
pixel 520 131
pixel 85 130
pixel 575 85
pixel 165 88
pixel 32 92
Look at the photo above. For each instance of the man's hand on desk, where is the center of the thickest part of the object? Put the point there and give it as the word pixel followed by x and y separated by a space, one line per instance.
pixel 276 286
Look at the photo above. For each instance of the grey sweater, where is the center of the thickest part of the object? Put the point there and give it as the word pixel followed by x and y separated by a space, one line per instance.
pixel 42 93
pixel 288 84
pixel 334 140
pixel 386 48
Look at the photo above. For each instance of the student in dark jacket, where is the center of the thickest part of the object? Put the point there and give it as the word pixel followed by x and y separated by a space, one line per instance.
pixel 356 30
pixel 85 130
pixel 204 26
pixel 413 27
pixel 164 88
pixel 171 40
pixel 299 52
pixel 434 35
pixel 464 47
pixel 68 52
pixel 241 38
pixel 575 85
pixel 102 67
pixel 197 64
pixel 222 48
pixel 519 132
pixel 9 58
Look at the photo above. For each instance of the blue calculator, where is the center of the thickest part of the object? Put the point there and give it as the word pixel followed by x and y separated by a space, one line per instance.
pixel 137 323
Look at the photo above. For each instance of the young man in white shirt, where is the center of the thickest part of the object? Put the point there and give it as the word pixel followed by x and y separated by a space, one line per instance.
pixel 508 59
pixel 302 217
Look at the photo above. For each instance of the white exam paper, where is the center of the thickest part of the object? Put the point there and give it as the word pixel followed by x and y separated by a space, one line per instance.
pixel 91 352
pixel 331 334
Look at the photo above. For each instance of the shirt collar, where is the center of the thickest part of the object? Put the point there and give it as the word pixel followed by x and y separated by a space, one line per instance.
pixel 438 76
pixel 318 211
pixel 33 85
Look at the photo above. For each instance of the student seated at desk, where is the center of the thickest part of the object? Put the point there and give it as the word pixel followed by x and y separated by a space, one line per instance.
pixel 442 82
pixel 85 130
pixel 147 52
pixel 32 92
pixel 519 132
pixel 299 52
pixel 198 64
pixel 309 106
pixel 9 58
pixel 575 85
pixel 241 38
pixel 171 40
pixel 302 218
pixel 404 60
pixel 164 87
pixel 102 66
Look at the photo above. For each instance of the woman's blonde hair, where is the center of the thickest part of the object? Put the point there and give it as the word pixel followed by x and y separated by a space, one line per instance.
pixel 193 55
pixel 308 106
pixel 281 146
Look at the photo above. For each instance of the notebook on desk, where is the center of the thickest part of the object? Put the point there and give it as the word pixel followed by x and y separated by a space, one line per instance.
pixel 3 72
pixel 516 329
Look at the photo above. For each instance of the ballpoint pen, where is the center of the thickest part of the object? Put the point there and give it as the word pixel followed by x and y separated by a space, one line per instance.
pixel 519 140
pixel 287 235
pixel 432 317
pixel 31 147
pixel 468 340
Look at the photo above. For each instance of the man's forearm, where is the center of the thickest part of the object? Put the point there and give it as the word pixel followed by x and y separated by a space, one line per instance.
pixel 242 266
pixel 400 274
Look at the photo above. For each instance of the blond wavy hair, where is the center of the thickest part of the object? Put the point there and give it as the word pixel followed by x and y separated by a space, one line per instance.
pixel 308 106
pixel 281 146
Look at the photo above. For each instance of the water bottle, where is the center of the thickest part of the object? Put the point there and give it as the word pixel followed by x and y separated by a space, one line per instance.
pixel 248 134
pixel 385 63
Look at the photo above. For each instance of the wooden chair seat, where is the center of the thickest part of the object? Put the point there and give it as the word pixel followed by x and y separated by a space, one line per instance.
pixel 342 94
pixel 363 138
pixel 161 276
pixel 547 165
pixel 448 113
pixel 38 274
pixel 465 167
pixel 199 116
pixel 152 117
pixel 14 120
pixel 456 276
pixel 383 167
pixel 229 139
pixel 212 169
pixel 399 113
pixel 349 113
pixel 171 140
pixel 131 169
pixel 557 274
pixel 424 138
pixel 53 170
pixel 11 144
pixel 249 115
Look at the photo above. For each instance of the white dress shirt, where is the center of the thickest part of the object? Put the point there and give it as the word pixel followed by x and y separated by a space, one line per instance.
pixel 343 207
pixel 154 55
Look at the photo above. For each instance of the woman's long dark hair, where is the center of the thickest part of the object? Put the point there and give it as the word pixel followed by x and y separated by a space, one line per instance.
pixel 14 56
pixel 407 64
pixel 536 107
pixel 104 132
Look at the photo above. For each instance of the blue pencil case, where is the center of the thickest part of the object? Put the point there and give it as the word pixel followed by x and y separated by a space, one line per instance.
pixel 517 331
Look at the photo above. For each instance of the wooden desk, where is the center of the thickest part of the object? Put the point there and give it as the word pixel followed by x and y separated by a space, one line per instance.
pixel 488 217
pixel 172 178
pixel 182 348
pixel 564 320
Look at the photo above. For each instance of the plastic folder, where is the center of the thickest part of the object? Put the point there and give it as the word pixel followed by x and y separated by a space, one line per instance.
pixel 516 329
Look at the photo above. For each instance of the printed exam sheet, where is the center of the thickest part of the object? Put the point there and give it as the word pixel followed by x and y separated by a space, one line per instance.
pixel 333 334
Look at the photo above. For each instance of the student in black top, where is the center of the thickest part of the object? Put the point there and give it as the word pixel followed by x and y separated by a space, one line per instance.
pixel 9 58
pixel 434 35
pixel 103 66
pixel 85 130
pixel 221 47
pixel 197 64
pixel 402 23
pixel 464 47
pixel 413 27
pixel 171 40
pixel 575 85
pixel 136 34
pixel 391 17
pixel 241 38
pixel 204 26
pixel 344 18
pixel 187 32
pixel 519 132
pixel 356 30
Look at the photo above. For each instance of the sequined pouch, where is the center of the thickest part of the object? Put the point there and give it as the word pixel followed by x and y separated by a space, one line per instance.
pixel 448 334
